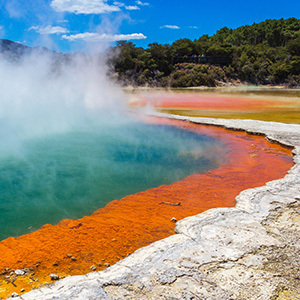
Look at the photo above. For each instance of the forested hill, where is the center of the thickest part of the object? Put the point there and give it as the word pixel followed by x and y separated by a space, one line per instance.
pixel 263 53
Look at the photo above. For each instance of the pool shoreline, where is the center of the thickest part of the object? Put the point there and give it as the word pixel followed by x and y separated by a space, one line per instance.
pixel 222 253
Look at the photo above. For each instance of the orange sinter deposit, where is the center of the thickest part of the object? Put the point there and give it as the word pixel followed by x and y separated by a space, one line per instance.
pixel 206 101
pixel 111 233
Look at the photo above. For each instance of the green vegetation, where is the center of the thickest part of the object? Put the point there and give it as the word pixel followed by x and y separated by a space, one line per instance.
pixel 264 53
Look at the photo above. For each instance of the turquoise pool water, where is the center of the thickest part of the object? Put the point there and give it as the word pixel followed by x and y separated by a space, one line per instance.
pixel 71 174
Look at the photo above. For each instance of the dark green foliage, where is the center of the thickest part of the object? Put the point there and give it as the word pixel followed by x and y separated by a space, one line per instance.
pixel 264 53
pixel 293 46
pixel 188 75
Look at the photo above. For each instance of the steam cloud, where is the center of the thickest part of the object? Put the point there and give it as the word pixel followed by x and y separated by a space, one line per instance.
pixel 42 94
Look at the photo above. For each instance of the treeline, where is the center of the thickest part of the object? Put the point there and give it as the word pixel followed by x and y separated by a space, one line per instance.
pixel 264 53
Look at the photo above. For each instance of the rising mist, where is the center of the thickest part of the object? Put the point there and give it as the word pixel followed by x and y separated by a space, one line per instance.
pixel 45 93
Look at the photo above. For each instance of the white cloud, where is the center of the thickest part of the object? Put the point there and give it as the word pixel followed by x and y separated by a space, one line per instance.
pixel 170 26
pixel 96 37
pixel 132 7
pixel 141 3
pixel 193 27
pixel 120 4
pixel 128 7
pixel 63 21
pixel 49 29
pixel 84 6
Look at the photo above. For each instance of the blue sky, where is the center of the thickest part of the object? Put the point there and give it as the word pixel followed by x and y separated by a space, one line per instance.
pixel 72 25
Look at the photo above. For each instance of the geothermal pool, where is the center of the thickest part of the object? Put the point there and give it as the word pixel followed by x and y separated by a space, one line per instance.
pixel 122 226
pixel 71 174
pixel 69 147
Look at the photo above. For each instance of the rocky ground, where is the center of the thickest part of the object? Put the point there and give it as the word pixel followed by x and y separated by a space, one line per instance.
pixel 251 251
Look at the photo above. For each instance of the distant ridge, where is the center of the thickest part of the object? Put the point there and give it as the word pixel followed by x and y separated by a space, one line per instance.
pixel 14 51
pixel 10 49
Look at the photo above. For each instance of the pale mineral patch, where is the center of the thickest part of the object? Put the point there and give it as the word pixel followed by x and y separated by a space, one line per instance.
pixel 251 251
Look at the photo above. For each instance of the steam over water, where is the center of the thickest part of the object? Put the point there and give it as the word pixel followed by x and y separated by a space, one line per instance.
pixel 68 146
